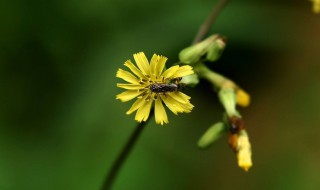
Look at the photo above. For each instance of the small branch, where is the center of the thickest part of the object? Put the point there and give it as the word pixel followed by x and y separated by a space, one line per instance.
pixel 218 80
pixel 210 20
pixel 116 166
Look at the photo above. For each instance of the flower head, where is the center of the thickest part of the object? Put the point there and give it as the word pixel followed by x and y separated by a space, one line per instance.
pixel 240 143
pixel 244 151
pixel 152 83
pixel 316 6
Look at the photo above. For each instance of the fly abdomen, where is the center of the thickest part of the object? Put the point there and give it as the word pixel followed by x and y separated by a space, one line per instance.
pixel 163 88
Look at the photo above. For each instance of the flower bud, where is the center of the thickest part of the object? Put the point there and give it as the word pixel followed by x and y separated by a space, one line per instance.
pixel 212 134
pixel 228 99
pixel 212 46
pixel 215 50
pixel 316 6
pixel 243 98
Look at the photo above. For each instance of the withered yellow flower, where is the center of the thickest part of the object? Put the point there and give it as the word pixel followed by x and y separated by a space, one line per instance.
pixel 244 151
pixel 154 75
pixel 316 6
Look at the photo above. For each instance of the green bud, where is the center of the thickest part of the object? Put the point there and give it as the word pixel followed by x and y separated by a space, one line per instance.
pixel 215 50
pixel 190 80
pixel 227 97
pixel 192 54
pixel 212 134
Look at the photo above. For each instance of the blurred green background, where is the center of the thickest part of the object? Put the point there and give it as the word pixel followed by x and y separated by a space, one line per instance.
pixel 61 127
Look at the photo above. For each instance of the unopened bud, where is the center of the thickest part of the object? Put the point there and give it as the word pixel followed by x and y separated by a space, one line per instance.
pixel 212 134
pixel 228 99
pixel 316 6
pixel 243 98
pixel 215 49
pixel 212 46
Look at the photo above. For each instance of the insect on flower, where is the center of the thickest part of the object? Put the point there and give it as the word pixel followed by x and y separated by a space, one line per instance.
pixel 172 86
pixel 151 83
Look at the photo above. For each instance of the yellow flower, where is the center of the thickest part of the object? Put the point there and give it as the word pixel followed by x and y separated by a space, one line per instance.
pixel 244 151
pixel 153 75
pixel 240 144
pixel 316 6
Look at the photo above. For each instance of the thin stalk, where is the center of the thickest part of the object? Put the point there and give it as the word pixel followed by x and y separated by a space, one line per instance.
pixel 218 80
pixel 123 155
pixel 205 27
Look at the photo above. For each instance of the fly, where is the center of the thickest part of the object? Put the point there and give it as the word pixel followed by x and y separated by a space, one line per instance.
pixel 162 88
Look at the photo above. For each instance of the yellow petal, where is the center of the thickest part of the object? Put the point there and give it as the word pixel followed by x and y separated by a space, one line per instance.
pixel 144 111
pixel 169 72
pixel 183 71
pixel 142 62
pixel 128 95
pixel 160 112
pixel 244 159
pixel 184 95
pixel 156 66
pixel 137 104
pixel 179 97
pixel 159 67
pixel 134 69
pixel 153 65
pixel 243 98
pixel 181 101
pixel 244 151
pixel 130 86
pixel 316 6
pixel 125 75
pixel 187 107
pixel 172 104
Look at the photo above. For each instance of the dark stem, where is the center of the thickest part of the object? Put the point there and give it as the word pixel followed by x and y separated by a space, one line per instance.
pixel 116 166
pixel 203 30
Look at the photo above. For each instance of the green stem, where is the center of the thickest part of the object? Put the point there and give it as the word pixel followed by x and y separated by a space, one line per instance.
pixel 219 81
pixel 205 27
pixel 123 155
